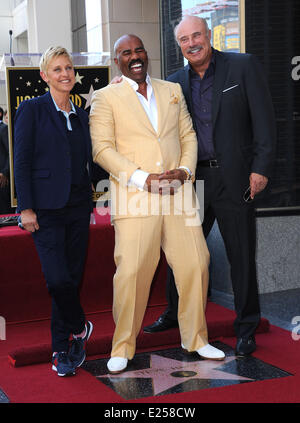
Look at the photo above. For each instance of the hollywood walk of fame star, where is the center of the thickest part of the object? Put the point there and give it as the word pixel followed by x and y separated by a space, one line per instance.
pixel 161 370
pixel 88 97
pixel 78 78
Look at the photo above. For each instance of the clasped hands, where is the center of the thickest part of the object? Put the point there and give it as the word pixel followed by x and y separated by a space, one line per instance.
pixel 165 183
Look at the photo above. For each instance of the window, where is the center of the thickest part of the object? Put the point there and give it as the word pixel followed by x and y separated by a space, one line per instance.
pixel 222 17
pixel 94 25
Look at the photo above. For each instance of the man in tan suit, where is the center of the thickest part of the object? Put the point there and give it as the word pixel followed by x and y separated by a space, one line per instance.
pixel 143 136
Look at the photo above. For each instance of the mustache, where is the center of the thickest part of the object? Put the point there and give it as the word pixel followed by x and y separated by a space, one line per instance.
pixel 134 62
pixel 193 48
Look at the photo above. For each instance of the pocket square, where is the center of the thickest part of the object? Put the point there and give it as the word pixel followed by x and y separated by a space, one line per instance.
pixel 174 99
pixel 230 88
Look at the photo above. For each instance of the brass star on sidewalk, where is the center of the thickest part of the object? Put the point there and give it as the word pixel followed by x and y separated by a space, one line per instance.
pixel 167 373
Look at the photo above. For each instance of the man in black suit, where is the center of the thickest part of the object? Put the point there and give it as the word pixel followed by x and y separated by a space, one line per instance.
pixel 228 98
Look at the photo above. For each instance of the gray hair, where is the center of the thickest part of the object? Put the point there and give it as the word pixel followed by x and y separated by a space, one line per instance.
pixel 186 17
pixel 50 54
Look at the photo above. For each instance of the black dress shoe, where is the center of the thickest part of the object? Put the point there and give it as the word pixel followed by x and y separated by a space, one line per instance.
pixel 161 324
pixel 245 346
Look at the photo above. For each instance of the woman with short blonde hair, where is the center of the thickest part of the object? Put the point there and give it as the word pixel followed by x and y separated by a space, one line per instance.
pixel 51 161
pixel 51 53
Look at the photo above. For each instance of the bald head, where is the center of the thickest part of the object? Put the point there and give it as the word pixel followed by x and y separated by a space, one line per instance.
pixel 126 37
pixel 189 20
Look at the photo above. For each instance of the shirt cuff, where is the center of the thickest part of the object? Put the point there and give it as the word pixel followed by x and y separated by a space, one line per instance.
pixel 138 179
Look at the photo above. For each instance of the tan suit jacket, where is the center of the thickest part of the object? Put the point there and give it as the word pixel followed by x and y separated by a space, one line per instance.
pixel 124 140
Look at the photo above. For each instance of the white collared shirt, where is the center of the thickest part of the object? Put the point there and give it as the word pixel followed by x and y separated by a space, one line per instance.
pixel 149 103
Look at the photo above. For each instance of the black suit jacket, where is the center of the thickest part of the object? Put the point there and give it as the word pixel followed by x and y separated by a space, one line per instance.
pixel 244 128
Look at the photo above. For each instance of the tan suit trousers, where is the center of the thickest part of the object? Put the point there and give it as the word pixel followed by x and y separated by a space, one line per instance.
pixel 137 253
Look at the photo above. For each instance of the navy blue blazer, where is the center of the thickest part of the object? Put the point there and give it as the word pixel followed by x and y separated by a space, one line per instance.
pixel 42 159
pixel 244 127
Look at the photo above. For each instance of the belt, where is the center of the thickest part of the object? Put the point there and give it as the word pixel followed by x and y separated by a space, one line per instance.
pixel 208 163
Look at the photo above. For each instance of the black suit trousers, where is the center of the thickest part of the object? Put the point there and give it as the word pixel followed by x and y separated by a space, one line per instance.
pixel 237 227
pixel 61 243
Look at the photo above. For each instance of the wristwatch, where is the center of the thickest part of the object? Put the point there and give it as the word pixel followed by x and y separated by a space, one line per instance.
pixel 188 174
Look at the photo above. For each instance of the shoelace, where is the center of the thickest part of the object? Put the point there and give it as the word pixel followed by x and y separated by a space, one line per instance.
pixel 63 357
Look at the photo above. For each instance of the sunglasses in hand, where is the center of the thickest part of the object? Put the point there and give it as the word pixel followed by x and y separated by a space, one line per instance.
pixel 247 195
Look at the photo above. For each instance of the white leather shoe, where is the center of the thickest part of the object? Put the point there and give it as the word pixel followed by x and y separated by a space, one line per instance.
pixel 117 364
pixel 211 353
pixel 208 352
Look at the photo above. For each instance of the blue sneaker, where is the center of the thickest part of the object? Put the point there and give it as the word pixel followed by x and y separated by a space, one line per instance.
pixel 77 349
pixel 62 364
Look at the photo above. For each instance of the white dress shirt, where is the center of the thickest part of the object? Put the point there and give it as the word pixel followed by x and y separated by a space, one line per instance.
pixel 138 178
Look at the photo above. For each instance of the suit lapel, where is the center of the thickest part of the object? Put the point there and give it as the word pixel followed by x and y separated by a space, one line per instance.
pixel 219 81
pixel 162 98
pixel 130 98
pixel 85 129
pixel 54 115
pixel 82 121
pixel 186 87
